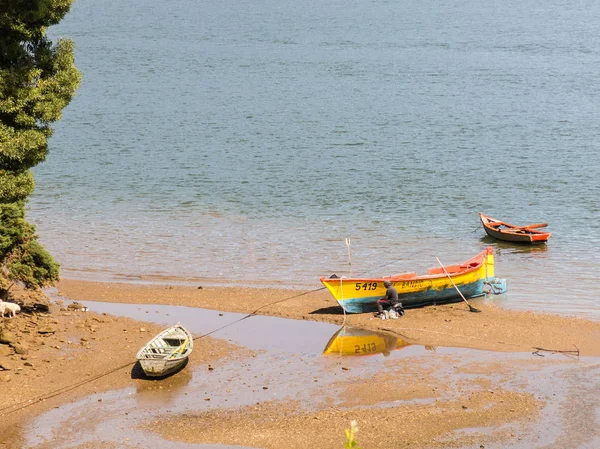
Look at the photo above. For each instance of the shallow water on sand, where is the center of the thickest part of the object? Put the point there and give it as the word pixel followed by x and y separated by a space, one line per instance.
pixel 289 363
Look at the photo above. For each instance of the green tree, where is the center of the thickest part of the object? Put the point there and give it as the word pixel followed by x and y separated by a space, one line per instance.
pixel 37 81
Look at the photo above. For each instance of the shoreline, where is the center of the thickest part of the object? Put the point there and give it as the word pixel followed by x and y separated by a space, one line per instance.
pixel 76 352
pixel 495 329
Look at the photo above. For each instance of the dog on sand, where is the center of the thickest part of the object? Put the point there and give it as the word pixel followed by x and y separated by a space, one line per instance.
pixel 9 307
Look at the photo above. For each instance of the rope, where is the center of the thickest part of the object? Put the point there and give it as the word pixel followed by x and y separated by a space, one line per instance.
pixel 29 402
pixel 343 308
pixel 536 352
pixel 255 312
pixel 24 404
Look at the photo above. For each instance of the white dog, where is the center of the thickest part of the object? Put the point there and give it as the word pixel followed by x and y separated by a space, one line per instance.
pixel 9 307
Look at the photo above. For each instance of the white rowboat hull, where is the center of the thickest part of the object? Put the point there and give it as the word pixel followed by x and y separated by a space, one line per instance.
pixel 167 352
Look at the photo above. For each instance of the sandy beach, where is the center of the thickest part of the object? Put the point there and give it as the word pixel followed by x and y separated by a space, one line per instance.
pixel 214 164
pixel 60 357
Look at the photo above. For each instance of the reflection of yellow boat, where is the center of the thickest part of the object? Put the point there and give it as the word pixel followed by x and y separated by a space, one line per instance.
pixel 354 341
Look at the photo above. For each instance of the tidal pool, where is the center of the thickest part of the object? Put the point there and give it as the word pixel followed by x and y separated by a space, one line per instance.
pixel 291 359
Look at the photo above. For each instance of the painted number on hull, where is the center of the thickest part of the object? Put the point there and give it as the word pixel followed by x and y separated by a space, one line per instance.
pixel 366 286
pixel 365 349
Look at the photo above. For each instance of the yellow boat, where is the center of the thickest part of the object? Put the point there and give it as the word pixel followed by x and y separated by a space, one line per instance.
pixel 354 341
pixel 438 286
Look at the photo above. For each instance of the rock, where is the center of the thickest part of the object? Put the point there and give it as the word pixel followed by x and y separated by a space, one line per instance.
pixel 47 329
pixel 20 348
pixel 7 337
pixel 5 366
pixel 41 307
pixel 75 306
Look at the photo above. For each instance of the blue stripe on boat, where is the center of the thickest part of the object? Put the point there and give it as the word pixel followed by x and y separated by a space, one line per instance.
pixel 416 299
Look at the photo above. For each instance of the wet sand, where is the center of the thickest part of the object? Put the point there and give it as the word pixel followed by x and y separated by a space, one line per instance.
pixel 495 328
pixel 84 345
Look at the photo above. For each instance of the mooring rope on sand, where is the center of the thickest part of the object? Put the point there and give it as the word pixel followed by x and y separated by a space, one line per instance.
pixel 255 312
pixel 6 410
pixel 27 403
pixel 537 350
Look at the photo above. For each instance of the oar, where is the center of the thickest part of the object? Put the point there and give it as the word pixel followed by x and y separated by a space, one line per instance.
pixel 181 348
pixel 531 226
pixel 471 308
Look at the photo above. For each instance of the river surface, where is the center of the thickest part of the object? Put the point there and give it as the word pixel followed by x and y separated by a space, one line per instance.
pixel 244 141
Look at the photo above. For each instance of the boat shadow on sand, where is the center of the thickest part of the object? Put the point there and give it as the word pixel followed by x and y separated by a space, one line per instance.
pixel 332 310
pixel 137 372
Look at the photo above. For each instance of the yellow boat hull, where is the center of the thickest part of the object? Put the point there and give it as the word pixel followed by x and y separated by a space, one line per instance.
pixel 358 295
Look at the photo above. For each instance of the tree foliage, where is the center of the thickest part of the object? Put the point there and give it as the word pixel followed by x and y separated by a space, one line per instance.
pixel 37 81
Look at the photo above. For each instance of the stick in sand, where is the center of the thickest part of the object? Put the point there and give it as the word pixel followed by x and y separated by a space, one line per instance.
pixel 471 308
pixel 349 256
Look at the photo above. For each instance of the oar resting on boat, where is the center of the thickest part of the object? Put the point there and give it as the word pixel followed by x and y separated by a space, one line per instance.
pixel 167 352
pixel 360 295
pixel 502 230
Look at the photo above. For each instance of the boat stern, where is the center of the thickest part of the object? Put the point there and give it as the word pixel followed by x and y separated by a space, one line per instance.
pixel 489 263
pixel 497 286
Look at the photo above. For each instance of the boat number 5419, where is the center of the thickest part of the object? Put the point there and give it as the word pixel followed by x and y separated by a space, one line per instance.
pixel 366 286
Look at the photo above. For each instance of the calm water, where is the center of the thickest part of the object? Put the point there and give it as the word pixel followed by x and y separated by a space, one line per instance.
pixel 245 141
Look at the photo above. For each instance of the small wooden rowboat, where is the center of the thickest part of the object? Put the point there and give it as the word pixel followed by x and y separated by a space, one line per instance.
pixel 354 341
pixel 438 286
pixel 167 352
pixel 505 231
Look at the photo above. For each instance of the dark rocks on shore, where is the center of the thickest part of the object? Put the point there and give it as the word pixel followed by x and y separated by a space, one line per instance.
pixel 46 329
pixel 36 327
pixel 74 306
pixel 16 333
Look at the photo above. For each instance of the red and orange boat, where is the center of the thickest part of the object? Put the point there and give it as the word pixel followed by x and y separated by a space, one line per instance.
pixel 510 233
